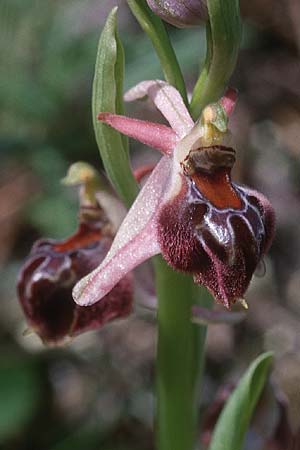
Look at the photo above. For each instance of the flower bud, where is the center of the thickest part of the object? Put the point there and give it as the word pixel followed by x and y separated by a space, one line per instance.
pixel 181 13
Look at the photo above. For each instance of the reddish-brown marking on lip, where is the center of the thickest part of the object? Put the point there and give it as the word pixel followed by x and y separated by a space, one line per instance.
pixel 217 188
pixel 83 238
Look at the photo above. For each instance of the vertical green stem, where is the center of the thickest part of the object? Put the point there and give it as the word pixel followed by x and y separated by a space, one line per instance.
pixel 179 359
pixel 223 36
pixel 155 29
pixel 180 352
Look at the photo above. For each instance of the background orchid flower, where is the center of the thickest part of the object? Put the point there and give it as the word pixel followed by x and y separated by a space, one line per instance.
pixel 53 267
pixel 188 210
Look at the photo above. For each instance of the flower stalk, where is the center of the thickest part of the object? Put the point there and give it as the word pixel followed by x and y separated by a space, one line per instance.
pixel 223 36
pixel 180 358
pixel 157 224
pixel 155 29
pixel 181 345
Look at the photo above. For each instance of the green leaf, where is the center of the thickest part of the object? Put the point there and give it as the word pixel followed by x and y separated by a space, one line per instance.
pixel 108 97
pixel 155 29
pixel 223 37
pixel 231 428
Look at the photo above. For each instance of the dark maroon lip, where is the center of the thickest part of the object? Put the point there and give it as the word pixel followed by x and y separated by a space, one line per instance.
pixel 223 262
pixel 50 272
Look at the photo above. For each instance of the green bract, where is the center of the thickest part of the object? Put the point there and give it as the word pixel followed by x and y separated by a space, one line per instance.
pixel 108 96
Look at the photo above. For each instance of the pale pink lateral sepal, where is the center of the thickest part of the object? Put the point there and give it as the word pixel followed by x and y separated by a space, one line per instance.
pixel 155 135
pixel 135 241
pixel 169 102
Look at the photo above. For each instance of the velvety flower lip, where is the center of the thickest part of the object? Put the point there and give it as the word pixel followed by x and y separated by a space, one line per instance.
pixel 189 210
pixel 181 13
pixel 50 272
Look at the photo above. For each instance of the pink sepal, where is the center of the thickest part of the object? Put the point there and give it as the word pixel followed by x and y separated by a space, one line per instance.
pixel 155 135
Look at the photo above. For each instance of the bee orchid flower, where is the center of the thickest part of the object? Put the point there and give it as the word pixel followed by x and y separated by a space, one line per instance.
pixel 53 267
pixel 189 210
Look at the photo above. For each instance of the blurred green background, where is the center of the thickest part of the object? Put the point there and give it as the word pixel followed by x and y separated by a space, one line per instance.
pixel 96 393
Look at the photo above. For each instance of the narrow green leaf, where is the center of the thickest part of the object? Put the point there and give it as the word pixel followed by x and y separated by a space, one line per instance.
pixel 119 74
pixel 155 29
pixel 223 36
pixel 233 423
pixel 108 97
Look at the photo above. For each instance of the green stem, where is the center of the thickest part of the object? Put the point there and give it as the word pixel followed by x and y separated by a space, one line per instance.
pixel 180 352
pixel 155 29
pixel 180 358
pixel 223 35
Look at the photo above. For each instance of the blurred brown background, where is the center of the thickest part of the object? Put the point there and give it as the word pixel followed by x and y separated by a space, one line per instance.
pixel 96 393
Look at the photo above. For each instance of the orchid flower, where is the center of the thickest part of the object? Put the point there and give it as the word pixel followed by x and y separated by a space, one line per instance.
pixel 189 210
pixel 53 267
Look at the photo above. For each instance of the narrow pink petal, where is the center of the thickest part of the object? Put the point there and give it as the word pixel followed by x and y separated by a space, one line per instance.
pixel 229 101
pixel 169 102
pixel 135 241
pixel 155 135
